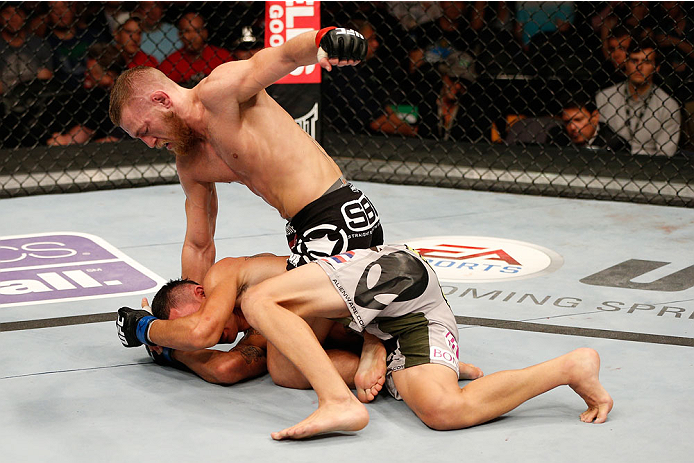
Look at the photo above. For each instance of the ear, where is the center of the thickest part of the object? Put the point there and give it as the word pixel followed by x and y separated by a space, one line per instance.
pixel 160 97
pixel 199 291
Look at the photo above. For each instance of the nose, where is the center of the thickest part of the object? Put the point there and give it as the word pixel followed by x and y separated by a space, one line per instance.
pixel 149 141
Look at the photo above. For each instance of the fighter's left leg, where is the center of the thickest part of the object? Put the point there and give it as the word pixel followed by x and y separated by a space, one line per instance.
pixel 276 307
pixel 285 374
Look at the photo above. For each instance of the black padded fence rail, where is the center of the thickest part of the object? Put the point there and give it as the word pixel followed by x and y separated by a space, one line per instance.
pixel 575 99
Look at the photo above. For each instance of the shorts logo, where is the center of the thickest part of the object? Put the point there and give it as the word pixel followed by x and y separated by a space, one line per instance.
pixel 478 259
pixel 321 241
pixel 438 354
pixel 452 343
pixel 341 258
pixel 53 267
pixel 359 214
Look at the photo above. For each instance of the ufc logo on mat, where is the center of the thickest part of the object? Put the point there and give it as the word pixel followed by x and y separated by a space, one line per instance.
pixel 359 214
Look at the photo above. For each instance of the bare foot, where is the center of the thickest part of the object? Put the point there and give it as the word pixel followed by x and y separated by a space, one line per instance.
pixel 584 370
pixel 371 373
pixel 469 371
pixel 349 415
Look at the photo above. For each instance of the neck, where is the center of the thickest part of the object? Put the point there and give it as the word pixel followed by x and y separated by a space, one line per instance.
pixel 192 53
pixel 639 89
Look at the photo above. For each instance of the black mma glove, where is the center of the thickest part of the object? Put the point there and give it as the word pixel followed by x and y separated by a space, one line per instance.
pixel 343 44
pixel 132 326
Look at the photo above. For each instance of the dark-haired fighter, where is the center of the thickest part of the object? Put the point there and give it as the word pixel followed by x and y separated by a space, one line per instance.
pixel 389 292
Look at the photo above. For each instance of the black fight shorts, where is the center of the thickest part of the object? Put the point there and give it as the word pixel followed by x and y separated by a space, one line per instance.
pixel 339 221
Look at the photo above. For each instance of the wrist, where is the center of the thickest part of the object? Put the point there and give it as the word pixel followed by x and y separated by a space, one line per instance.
pixel 142 332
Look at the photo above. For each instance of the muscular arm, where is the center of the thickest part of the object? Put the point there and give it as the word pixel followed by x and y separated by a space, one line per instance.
pixel 246 360
pixel 222 283
pixel 198 253
pixel 247 77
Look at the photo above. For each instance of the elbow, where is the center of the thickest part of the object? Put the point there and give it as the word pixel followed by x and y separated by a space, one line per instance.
pixel 225 373
pixel 204 336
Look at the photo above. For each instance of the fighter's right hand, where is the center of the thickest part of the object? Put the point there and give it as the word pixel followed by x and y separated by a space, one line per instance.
pixel 340 46
pixel 161 355
pixel 132 326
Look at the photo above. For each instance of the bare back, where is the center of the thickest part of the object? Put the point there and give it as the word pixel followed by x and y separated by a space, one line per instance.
pixel 257 143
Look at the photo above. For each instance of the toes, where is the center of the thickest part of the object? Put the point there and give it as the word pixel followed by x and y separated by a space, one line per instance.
pixel 589 415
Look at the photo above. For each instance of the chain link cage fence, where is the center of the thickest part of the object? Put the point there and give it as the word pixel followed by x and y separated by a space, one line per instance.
pixel 575 99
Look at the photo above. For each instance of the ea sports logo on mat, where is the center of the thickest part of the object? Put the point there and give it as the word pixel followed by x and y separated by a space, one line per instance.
pixel 482 259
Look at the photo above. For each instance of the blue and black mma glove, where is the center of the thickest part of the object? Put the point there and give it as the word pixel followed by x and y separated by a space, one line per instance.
pixel 343 44
pixel 133 325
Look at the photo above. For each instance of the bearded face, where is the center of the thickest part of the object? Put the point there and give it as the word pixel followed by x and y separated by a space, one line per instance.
pixel 183 137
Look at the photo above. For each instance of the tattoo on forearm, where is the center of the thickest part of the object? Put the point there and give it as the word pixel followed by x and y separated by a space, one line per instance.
pixel 250 353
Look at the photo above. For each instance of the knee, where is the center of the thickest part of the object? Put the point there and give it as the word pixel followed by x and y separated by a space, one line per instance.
pixel 286 377
pixel 445 414
pixel 253 303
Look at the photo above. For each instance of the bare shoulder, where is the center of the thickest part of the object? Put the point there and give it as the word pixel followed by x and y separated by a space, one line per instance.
pixel 254 269
pixel 223 83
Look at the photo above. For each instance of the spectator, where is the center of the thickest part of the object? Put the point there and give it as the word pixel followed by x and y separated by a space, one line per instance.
pixel 564 52
pixel 159 38
pixel 535 17
pixel 614 53
pixel 128 37
pixel 411 15
pixel 495 47
pixel 23 58
pixel 364 97
pixel 439 38
pixel 632 15
pixel 674 34
pixel 637 109
pixel 115 14
pixel 248 44
pixel 582 127
pixel 69 44
pixel 196 59
pixel 25 66
pixel 89 105
pixel 454 113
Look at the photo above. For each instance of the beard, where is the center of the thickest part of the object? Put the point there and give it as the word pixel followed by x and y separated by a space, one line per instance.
pixel 184 137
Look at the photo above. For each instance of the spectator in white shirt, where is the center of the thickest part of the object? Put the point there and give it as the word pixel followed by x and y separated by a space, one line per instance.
pixel 639 110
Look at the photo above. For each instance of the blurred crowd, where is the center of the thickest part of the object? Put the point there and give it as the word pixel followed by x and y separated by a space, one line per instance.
pixel 601 75
pixel 59 60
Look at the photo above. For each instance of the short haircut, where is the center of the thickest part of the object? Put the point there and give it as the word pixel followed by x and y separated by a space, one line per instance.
pixel 580 99
pixel 123 90
pixel 643 44
pixel 169 296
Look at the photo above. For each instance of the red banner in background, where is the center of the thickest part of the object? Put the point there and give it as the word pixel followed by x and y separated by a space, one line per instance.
pixel 286 20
